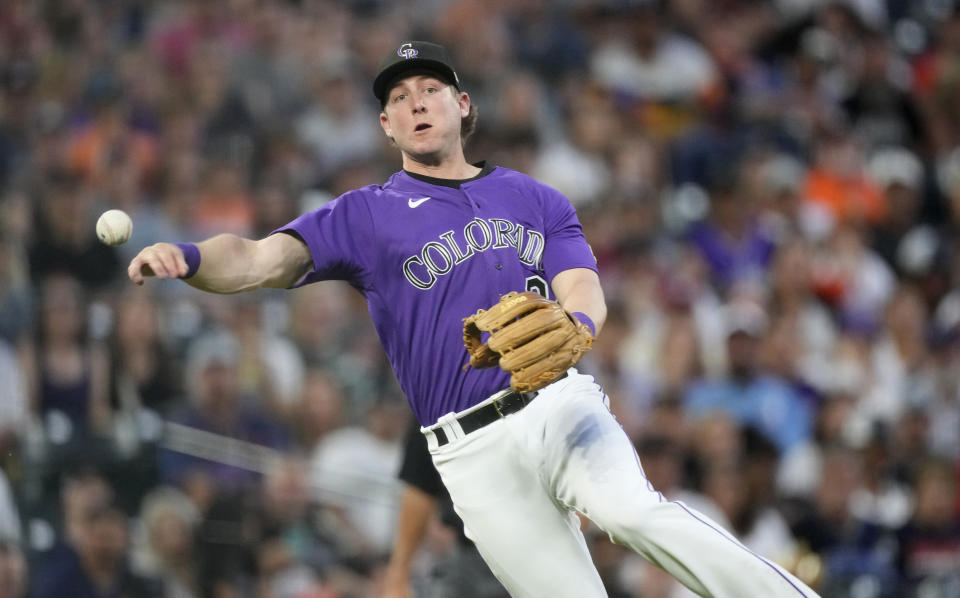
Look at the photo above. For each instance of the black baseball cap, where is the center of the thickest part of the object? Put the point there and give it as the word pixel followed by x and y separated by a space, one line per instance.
pixel 413 56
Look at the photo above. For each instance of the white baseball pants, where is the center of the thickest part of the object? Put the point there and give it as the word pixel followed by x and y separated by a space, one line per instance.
pixel 517 482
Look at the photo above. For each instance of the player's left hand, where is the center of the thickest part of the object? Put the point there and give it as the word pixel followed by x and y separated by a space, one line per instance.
pixel 531 337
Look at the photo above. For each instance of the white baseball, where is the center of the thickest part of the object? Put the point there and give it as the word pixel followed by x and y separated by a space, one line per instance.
pixel 114 227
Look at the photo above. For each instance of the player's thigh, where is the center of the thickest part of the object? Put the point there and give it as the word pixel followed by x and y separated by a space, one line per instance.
pixel 533 546
pixel 591 463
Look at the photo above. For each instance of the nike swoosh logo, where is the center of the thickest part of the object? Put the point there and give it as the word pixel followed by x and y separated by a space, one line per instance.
pixel 416 202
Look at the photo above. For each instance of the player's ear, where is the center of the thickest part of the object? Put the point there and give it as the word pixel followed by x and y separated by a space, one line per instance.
pixel 385 124
pixel 463 99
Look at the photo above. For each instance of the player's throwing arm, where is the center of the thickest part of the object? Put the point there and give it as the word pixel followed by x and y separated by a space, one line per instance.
pixel 225 263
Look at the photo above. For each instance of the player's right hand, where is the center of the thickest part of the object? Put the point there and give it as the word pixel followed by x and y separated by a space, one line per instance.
pixel 163 260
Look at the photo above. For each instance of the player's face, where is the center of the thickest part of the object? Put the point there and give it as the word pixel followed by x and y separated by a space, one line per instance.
pixel 422 115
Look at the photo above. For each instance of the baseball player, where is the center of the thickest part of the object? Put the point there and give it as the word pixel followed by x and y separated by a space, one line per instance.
pixel 443 239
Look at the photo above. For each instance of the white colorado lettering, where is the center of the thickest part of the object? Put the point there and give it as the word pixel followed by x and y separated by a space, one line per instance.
pixel 468 232
pixel 429 259
pixel 459 255
pixel 503 229
pixel 412 278
pixel 533 254
pixel 438 257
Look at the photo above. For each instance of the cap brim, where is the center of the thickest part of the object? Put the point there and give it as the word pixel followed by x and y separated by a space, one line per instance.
pixel 387 77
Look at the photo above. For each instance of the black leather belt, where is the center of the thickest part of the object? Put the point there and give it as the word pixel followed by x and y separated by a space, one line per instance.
pixel 500 408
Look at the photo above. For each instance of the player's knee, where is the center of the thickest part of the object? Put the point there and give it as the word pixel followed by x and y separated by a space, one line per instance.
pixel 633 517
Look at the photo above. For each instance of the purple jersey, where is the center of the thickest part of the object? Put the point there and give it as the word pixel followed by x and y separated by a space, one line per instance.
pixel 427 255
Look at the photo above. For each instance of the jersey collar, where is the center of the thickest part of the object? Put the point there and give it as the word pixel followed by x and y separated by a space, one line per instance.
pixel 485 169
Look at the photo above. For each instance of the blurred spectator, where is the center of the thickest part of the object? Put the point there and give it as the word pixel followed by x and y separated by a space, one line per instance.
pixel 930 541
pixel 275 206
pixel 354 469
pixel 948 178
pixel 144 373
pixel 337 127
pixel 72 369
pixel 802 331
pixel 944 410
pixel 168 522
pixel 64 239
pixel 179 30
pixel 881 500
pixel 713 440
pixel 93 560
pixel 803 105
pixel 270 366
pixel 734 245
pixel 850 551
pixel 748 394
pixel 655 351
pixel 281 575
pixel 880 108
pixel 637 173
pixel 217 406
pixel 759 522
pixel 13 570
pixel 936 84
pixel 838 181
pixel 899 174
pixel 898 373
pixel 800 472
pixel 574 164
pixel 320 410
pixel 300 553
pixel 14 402
pixel 546 38
pixel 9 518
pixel 318 311
pixel 227 542
pixel 224 203
pixel 16 295
pixel 289 517
pixel 521 105
pixel 264 74
pixel 644 60
pixel 99 148
pixel 853 280
pixel 773 184
pixel 909 446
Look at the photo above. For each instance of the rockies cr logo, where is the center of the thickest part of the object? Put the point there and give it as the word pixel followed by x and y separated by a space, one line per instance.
pixel 407 51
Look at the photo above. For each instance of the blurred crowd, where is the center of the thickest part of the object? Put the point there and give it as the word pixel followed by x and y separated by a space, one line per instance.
pixel 771 188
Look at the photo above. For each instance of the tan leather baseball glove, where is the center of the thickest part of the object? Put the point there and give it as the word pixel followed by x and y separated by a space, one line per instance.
pixel 531 337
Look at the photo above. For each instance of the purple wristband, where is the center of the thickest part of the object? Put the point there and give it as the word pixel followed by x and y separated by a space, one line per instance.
pixel 192 256
pixel 585 319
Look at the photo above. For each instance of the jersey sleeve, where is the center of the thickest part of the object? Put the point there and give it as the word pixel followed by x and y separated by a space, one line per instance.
pixel 565 246
pixel 337 235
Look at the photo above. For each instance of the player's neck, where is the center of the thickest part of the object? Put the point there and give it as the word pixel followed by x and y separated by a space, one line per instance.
pixel 455 167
